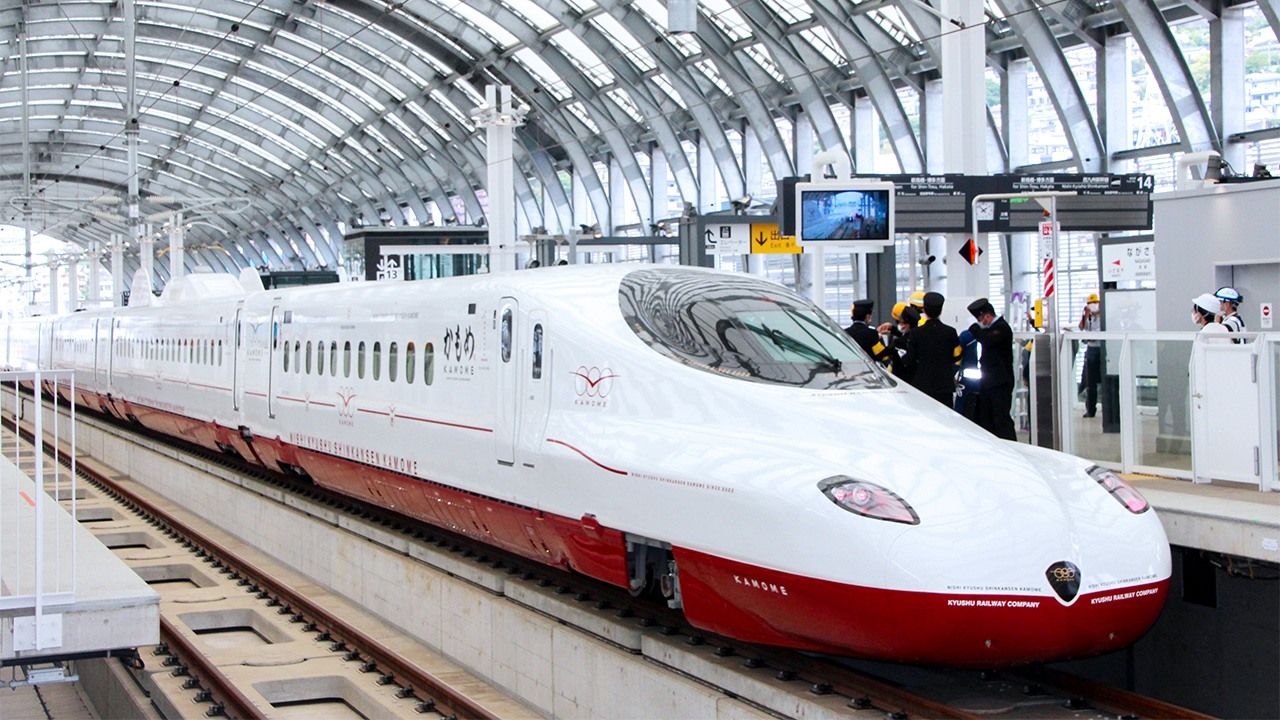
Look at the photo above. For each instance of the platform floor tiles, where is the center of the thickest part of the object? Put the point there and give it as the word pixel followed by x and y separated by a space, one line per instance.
pixel 47 702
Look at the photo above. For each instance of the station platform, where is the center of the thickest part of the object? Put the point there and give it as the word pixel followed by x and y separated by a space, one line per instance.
pixel 1229 518
pixel 92 602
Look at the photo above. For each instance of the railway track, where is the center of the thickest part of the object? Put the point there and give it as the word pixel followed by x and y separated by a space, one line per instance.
pixel 313 644
pixel 865 689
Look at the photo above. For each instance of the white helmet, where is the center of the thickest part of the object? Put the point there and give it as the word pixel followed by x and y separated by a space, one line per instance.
pixel 1206 302
pixel 1229 294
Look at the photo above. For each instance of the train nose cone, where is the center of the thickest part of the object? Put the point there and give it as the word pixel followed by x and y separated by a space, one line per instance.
pixel 1064 578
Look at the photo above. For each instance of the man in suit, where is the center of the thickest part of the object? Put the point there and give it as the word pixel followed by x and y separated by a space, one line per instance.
pixel 936 349
pixel 864 333
pixel 995 340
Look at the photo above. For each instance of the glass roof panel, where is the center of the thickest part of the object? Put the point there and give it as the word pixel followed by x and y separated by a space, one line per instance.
pixel 534 13
pixel 665 85
pixel 582 56
pixel 577 111
pixel 485 24
pixel 551 82
pixel 822 41
pixel 890 18
pixel 761 56
pixel 624 41
pixel 793 11
pixel 727 18
pixel 620 96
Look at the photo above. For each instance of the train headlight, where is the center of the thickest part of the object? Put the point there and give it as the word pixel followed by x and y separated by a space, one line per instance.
pixel 1123 492
pixel 868 499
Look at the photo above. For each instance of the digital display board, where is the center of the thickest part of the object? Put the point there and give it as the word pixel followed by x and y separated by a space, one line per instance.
pixel 845 213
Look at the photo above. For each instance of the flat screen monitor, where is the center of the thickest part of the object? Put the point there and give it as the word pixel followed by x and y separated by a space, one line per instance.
pixel 854 213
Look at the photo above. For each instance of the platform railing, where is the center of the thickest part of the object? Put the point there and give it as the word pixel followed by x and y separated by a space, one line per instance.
pixel 1178 404
pixel 38 547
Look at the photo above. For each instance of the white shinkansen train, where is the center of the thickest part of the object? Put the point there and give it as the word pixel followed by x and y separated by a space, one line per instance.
pixel 708 434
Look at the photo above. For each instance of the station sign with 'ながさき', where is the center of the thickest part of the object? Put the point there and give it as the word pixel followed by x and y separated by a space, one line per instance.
pixel 1127 262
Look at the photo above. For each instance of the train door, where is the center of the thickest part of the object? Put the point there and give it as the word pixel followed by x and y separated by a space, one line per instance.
pixel 271 359
pixel 237 383
pixel 536 380
pixel 509 376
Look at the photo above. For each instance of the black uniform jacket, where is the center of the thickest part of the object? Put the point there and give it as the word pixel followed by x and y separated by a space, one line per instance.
pixel 997 353
pixel 869 340
pixel 935 348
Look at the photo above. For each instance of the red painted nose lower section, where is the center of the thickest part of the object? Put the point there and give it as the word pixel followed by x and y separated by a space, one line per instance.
pixel 960 630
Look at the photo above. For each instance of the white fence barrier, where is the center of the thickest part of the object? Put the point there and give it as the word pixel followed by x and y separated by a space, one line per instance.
pixel 37 538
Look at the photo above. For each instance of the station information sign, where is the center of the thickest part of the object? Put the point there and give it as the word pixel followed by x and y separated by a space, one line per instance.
pixel 767 238
pixel 1131 261
pixel 943 203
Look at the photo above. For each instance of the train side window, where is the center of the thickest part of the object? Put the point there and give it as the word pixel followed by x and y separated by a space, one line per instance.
pixel 320 358
pixel 393 361
pixel 297 356
pixel 285 362
pixel 308 368
pixel 428 363
pixel 410 365
pixel 537 351
pixel 346 359
pixel 333 359
pixel 506 335
pixel 360 360
pixel 220 354
pixel 377 360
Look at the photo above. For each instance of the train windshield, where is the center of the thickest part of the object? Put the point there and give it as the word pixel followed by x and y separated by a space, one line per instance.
pixel 743 327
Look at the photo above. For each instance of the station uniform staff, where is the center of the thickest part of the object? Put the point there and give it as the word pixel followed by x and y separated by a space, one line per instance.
pixel 864 334
pixel 936 351
pixel 1229 306
pixel 902 361
pixel 995 398
pixel 1203 313
pixel 1091 321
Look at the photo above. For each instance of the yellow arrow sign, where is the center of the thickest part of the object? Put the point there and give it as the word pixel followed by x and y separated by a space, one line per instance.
pixel 766 238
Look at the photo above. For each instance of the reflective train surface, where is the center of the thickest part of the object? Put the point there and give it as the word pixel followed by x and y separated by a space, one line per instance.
pixel 709 436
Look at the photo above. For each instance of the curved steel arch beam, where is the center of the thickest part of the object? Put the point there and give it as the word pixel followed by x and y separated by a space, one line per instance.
pixel 1059 82
pixel 1169 67
pixel 879 87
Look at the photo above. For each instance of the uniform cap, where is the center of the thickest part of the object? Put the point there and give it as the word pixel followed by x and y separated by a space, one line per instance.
pixel 980 306
pixel 910 316
pixel 1229 294
pixel 916 299
pixel 1206 302
pixel 933 303
pixel 862 308
pixel 1093 297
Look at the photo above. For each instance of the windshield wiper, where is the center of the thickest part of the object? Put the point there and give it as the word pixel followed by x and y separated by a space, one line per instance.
pixel 826 361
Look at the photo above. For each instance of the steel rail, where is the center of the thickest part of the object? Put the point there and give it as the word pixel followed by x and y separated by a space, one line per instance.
pixel 221 688
pixel 426 686
pixel 1105 697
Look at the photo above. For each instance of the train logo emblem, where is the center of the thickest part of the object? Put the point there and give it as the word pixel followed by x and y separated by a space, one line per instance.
pixel 346 413
pixel 1064 578
pixel 592 384
pixel 457 344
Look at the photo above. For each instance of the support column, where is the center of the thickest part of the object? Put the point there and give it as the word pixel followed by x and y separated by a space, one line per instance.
pixel 73 285
pixel 1014 115
pixel 582 208
pixel 706 176
pixel 964 95
pixel 1113 101
pixel 752 160
pixel 866 135
pixel 617 198
pixel 1226 47
pixel 177 239
pixel 147 255
pixel 95 277
pixel 131 128
pixel 117 269
pixel 499 118
pixel 26 148
pixel 934 120
pixel 54 304
pixel 802 141
pixel 658 177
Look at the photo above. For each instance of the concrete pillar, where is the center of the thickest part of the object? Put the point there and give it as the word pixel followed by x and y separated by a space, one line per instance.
pixel 499 118
pixel 658 178
pixel 617 198
pixel 177 246
pixel 583 212
pixel 1014 115
pixel 963 53
pixel 866 135
pixel 752 160
pixel 706 177
pixel 147 255
pixel 1113 100
pixel 73 285
pixel 95 279
pixel 1226 44
pixel 54 304
pixel 117 269
pixel 802 141
pixel 934 120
